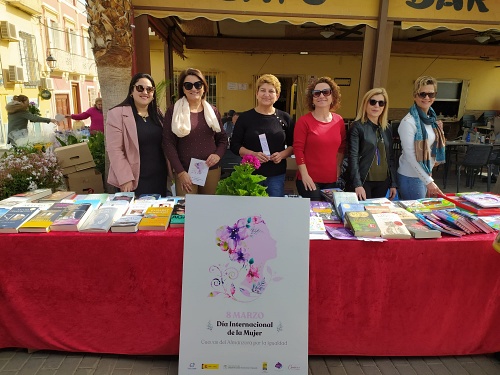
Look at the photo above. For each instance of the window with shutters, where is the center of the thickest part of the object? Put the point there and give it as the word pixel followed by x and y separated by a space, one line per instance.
pixel 29 59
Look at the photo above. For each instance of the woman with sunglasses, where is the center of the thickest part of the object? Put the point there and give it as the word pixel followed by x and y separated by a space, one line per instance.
pixel 133 141
pixel 422 143
pixel 371 167
pixel 319 140
pixel 193 129
pixel 265 132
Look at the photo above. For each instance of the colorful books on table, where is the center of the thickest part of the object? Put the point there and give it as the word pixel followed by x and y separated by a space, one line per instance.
pixel 72 217
pixel 343 208
pixel 316 225
pixel 58 196
pixel 126 224
pixel 391 226
pixel 100 220
pixel 419 230
pixel 41 221
pixel 33 194
pixel 12 220
pixel 328 194
pixel 179 214
pixel 156 218
pixel 362 224
pixel 324 210
pixel 484 200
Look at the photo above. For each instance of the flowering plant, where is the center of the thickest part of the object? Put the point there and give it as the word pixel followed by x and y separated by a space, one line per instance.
pixel 242 181
pixel 28 168
pixel 34 109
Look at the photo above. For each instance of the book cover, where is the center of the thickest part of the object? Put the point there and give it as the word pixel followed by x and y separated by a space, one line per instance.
pixel 328 194
pixel 58 196
pixel 139 207
pixel 11 202
pixel 316 225
pixel 72 217
pixel 156 218
pixel 437 203
pixel 126 224
pixel 404 214
pixel 179 214
pixel 391 226
pixel 148 197
pixel 167 201
pixel 324 210
pixel 15 217
pixel 123 197
pixel 39 205
pixel 419 231
pixel 340 197
pixel 484 200
pixel 414 206
pixel 340 233
pixel 3 210
pixel 102 197
pixel 34 194
pixel 493 221
pixel 41 221
pixel 121 205
pixel 346 207
pixel 362 224
pixel 100 220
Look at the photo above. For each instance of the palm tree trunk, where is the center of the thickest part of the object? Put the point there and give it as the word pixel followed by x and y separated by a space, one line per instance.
pixel 111 38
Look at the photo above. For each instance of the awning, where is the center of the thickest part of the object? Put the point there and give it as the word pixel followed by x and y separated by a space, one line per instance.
pixel 298 12
pixel 479 15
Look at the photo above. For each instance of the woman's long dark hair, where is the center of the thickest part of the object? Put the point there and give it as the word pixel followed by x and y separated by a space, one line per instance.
pixel 153 110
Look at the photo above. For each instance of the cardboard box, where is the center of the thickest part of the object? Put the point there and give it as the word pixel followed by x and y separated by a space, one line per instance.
pixel 72 155
pixel 78 167
pixel 88 181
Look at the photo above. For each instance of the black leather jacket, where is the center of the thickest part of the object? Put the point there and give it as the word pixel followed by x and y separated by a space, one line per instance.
pixel 362 143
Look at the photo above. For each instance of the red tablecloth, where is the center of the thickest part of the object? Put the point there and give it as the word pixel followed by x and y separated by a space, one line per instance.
pixel 121 293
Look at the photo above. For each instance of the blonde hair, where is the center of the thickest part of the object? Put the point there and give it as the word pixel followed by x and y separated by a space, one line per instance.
pixel 382 119
pixel 270 79
pixel 424 81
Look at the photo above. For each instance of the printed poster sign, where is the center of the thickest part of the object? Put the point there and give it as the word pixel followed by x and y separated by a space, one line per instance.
pixel 245 285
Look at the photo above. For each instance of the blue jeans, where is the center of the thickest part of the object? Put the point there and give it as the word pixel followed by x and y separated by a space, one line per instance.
pixel 411 188
pixel 275 185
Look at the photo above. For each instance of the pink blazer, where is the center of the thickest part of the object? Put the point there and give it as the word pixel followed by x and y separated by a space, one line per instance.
pixel 122 146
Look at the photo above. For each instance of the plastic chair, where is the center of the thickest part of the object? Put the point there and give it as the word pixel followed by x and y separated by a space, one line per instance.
pixel 476 157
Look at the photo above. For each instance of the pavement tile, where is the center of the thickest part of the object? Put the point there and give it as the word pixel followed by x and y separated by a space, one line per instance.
pixel 8 372
pixel 420 367
pixel 386 366
pixel 473 368
pixel 332 361
pixel 336 370
pixel 349 361
pixel 105 366
pixel 90 361
pixel 83 371
pixel 125 362
pixel 46 371
pixel 454 366
pixel 161 361
pixel 17 361
pixel 487 365
pixel 7 354
pixel 371 370
pixel 318 365
pixel 141 366
pixel 432 360
pixel 464 358
pixel 40 354
pixel 405 369
pixel 31 366
pixel 353 369
pixel 439 369
pixel 366 361
pixel 54 361
pixel 158 371
pixel 69 365
pixel 399 361
pixel 3 362
pixel 173 369
pixel 122 371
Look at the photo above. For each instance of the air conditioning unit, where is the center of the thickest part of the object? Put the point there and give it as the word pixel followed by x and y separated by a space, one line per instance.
pixel 47 83
pixel 16 74
pixel 8 31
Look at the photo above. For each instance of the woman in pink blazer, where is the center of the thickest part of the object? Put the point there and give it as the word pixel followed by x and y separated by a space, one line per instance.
pixel 134 141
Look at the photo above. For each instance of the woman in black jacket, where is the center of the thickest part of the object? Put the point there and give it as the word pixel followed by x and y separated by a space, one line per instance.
pixel 371 169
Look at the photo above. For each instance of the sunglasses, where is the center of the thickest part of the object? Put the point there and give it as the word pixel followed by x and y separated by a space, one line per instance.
pixel 189 85
pixel 429 94
pixel 325 92
pixel 141 88
pixel 381 103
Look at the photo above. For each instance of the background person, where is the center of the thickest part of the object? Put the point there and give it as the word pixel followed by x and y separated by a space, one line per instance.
pixel 133 141
pixel 193 129
pixel 18 114
pixel 371 165
pixel 229 124
pixel 319 140
pixel 277 127
pixel 95 114
pixel 422 143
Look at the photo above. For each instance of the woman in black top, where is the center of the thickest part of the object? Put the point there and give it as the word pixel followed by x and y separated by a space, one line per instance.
pixel 262 124
pixel 371 168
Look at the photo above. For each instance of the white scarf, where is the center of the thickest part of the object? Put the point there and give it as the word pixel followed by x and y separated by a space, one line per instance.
pixel 181 119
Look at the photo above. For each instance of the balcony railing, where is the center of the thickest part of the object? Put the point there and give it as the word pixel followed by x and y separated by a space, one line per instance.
pixel 73 63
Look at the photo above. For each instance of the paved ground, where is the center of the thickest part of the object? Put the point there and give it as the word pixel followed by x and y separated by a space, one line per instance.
pixel 20 362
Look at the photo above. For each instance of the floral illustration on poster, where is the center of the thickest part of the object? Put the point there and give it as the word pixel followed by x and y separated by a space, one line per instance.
pixel 249 246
